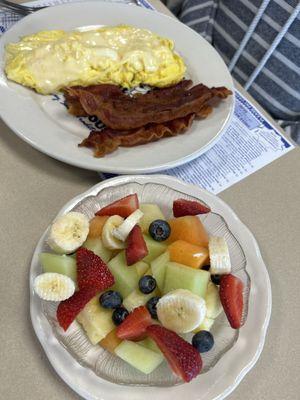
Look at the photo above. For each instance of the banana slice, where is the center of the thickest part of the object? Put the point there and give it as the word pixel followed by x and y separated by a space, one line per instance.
pixel 68 232
pixel 219 256
pixel 54 287
pixel 181 311
pixel 126 227
pixel 108 239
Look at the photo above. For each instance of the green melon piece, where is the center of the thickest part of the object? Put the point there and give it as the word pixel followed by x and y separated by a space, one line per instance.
pixel 179 276
pixel 141 267
pixel 151 213
pixel 137 298
pixel 139 357
pixel 126 278
pixel 96 320
pixel 96 245
pixel 155 249
pixel 65 265
pixel 150 344
pixel 213 304
pixel 158 267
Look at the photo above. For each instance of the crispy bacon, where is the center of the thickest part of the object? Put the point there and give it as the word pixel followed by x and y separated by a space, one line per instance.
pixel 121 112
pixel 108 140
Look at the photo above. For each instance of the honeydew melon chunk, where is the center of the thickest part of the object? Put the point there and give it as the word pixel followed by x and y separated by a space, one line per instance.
pixel 126 278
pixel 213 302
pixel 158 267
pixel 60 264
pixel 96 320
pixel 179 276
pixel 139 357
pixel 96 245
pixel 137 298
pixel 155 249
pixel 141 267
pixel 150 344
pixel 151 213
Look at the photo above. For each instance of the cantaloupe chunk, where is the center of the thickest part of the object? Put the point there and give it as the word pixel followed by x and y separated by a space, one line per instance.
pixel 111 341
pixel 188 254
pixel 96 226
pixel 188 228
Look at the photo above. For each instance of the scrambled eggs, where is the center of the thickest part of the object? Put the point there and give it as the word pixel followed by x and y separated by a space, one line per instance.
pixel 124 55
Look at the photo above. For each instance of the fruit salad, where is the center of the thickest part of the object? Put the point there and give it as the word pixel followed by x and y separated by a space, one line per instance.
pixel 137 283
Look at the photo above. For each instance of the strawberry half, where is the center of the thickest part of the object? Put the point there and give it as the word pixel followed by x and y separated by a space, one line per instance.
pixel 123 207
pixel 92 271
pixel 231 296
pixel 134 326
pixel 182 207
pixel 68 310
pixel 136 246
pixel 183 358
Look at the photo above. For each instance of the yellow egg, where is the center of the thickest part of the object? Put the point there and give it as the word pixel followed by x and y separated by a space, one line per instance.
pixel 124 55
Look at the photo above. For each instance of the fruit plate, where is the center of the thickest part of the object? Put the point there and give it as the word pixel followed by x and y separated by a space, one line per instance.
pixel 61 132
pixel 94 373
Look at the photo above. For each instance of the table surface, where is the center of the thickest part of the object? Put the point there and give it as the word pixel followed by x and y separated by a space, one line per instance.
pixel 33 189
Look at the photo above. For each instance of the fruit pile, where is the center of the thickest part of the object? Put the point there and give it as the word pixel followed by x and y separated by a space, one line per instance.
pixel 138 283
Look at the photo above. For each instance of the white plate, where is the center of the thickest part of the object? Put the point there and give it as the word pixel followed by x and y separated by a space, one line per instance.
pixel 46 125
pixel 234 363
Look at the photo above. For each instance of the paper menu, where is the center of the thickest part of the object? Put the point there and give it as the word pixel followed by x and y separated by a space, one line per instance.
pixel 248 144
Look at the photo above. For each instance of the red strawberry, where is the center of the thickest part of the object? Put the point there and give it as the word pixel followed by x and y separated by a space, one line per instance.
pixel 136 246
pixel 68 309
pixel 182 207
pixel 123 207
pixel 92 271
pixel 231 296
pixel 134 326
pixel 183 358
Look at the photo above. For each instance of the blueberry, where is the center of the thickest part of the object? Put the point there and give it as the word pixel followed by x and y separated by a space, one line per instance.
pixel 119 315
pixel 159 230
pixel 206 267
pixel 216 279
pixel 203 341
pixel 111 299
pixel 147 284
pixel 151 306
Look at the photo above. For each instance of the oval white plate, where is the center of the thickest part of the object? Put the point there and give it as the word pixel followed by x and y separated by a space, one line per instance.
pixel 46 125
pixel 220 380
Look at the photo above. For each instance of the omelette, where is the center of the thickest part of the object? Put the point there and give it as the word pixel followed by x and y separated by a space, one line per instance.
pixel 122 55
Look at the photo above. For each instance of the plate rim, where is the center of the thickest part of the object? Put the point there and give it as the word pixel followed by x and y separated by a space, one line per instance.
pixel 85 164
pixel 50 347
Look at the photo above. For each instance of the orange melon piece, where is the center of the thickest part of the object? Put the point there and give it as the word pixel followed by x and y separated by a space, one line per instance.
pixel 188 254
pixel 188 228
pixel 96 226
pixel 111 341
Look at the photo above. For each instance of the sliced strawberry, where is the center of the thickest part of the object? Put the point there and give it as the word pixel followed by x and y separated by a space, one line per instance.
pixel 182 207
pixel 123 207
pixel 134 326
pixel 68 309
pixel 231 296
pixel 183 358
pixel 136 246
pixel 92 271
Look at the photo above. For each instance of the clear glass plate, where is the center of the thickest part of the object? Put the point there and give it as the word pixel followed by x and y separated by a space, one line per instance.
pixel 112 368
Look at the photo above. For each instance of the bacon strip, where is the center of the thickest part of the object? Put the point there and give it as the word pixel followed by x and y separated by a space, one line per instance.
pixel 121 112
pixel 108 140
